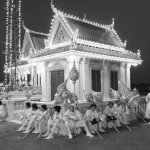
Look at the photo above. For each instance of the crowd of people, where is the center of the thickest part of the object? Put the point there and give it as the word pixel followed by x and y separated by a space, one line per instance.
pixel 58 121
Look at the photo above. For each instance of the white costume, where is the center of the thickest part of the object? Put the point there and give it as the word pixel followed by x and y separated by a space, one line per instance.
pixel 147 114
pixel 25 117
pixel 111 116
pixel 33 119
pixel 73 119
pixel 2 112
pixel 57 124
pixel 94 115
pixel 120 113
pixel 40 121
pixel 109 111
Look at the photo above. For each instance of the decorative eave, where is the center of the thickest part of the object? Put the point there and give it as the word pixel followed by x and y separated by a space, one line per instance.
pixel 69 52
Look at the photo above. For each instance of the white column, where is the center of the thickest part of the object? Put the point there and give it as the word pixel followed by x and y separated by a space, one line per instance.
pixel 128 80
pixel 43 81
pixel 122 73
pixel 71 60
pixel 106 82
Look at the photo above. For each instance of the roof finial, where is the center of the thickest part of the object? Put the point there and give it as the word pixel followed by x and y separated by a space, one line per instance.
pixel 125 43
pixel 25 28
pixel 84 16
pixel 53 7
pixel 113 23
pixel 139 53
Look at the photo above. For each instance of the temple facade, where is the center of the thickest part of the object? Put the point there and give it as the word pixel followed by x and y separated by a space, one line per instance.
pixel 97 51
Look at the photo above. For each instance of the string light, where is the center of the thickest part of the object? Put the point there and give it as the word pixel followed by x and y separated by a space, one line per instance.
pixel 13 35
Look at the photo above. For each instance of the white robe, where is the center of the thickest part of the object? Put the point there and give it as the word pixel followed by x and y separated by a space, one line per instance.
pixel 2 111
pixel 147 114
pixel 92 115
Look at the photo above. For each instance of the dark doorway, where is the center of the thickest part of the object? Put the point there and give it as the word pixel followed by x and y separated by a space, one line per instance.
pixel 28 79
pixel 57 77
pixel 114 80
pixel 96 80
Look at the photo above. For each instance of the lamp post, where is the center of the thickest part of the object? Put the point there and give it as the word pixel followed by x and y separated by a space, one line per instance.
pixel 74 75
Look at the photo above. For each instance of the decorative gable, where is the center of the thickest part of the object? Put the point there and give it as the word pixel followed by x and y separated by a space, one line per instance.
pixel 61 35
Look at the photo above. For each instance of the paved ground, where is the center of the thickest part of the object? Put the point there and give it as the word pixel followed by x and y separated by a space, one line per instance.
pixel 139 139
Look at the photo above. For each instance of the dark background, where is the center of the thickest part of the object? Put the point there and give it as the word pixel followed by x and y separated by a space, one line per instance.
pixel 132 22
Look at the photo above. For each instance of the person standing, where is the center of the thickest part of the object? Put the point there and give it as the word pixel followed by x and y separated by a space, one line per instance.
pixel 2 111
pixel 147 113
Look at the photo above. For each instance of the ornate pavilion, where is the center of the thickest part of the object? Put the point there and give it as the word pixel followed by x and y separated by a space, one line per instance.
pixel 99 54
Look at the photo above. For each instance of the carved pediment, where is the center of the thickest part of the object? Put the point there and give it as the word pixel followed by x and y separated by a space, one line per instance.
pixel 61 35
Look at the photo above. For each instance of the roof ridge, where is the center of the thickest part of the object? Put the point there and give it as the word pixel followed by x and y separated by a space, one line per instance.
pixel 28 30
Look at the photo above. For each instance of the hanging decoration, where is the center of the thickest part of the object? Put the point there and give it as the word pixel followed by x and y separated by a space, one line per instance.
pixel 74 75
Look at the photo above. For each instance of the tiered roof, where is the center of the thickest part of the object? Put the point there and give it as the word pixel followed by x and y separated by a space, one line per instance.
pixel 89 37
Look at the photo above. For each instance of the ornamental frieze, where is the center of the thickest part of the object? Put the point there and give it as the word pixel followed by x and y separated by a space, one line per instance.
pixel 114 67
pixel 96 64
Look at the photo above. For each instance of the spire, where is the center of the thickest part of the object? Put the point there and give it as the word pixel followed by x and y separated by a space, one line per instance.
pixel 53 7
pixel 84 16
pixel 25 28
pixel 113 23
pixel 125 44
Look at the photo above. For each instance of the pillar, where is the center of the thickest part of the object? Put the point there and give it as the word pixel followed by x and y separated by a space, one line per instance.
pixel 106 81
pixel 128 80
pixel 43 81
pixel 122 73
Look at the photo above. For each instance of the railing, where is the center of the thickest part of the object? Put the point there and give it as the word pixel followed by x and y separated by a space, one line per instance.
pixel 34 89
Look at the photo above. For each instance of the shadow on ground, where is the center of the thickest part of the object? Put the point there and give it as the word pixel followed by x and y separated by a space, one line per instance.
pixel 138 139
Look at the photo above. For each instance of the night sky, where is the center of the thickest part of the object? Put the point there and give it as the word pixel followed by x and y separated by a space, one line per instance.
pixel 132 23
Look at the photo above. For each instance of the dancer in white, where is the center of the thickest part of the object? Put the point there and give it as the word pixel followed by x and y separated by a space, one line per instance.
pixel 93 118
pixel 56 122
pixel 41 119
pixel 147 113
pixel 73 119
pixel 120 112
pixel 110 113
pixel 2 111
pixel 25 117
pixel 33 118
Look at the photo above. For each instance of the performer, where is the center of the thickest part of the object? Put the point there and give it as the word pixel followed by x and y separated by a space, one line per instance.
pixel 94 117
pixel 56 122
pixel 120 112
pixel 34 114
pixel 25 117
pixel 41 119
pixel 2 111
pixel 73 119
pixel 110 113
pixel 147 113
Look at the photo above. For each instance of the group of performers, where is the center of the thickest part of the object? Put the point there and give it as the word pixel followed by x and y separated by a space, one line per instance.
pixel 58 121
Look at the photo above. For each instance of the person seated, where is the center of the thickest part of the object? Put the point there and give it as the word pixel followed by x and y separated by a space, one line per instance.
pixel 33 119
pixel 50 123
pixel 93 118
pixel 102 117
pixel 110 114
pixel 120 112
pixel 57 124
pixel 41 119
pixel 2 111
pixel 25 117
pixel 73 119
